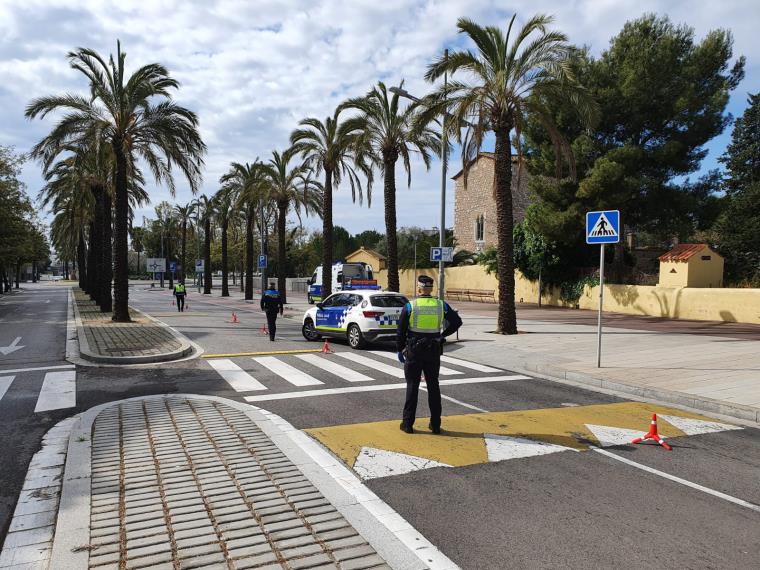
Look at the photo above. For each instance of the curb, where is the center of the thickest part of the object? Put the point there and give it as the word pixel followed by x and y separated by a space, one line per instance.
pixel 699 403
pixel 86 353
pixel 394 539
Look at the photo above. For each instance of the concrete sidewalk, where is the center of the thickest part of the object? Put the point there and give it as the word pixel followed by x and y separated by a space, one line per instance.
pixel 717 374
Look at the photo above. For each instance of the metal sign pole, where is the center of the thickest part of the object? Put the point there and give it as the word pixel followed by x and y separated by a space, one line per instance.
pixel 601 302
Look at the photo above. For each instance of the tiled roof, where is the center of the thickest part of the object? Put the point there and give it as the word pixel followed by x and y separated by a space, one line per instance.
pixel 683 252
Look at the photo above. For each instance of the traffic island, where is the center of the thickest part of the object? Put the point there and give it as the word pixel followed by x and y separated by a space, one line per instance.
pixel 187 480
pixel 143 340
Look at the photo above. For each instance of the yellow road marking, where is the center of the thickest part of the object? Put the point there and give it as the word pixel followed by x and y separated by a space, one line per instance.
pixel 263 353
pixel 462 442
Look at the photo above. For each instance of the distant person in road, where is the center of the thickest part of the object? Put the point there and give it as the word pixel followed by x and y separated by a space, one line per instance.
pixel 271 304
pixel 425 323
pixel 180 291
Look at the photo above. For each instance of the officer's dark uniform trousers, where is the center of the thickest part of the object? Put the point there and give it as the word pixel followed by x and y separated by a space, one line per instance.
pixel 423 356
pixel 272 322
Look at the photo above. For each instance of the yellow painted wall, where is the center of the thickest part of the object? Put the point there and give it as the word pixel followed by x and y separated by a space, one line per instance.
pixel 673 274
pixel 715 304
pixel 706 273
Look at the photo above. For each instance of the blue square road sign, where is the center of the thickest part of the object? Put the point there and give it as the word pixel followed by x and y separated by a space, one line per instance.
pixel 603 227
pixel 262 261
pixel 436 253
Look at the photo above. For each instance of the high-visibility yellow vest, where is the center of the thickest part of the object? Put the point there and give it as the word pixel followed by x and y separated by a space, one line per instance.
pixel 179 288
pixel 426 316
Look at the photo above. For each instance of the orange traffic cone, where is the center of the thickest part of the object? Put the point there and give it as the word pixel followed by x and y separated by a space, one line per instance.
pixel 326 348
pixel 653 435
pixel 172 302
pixel 234 319
pixel 264 330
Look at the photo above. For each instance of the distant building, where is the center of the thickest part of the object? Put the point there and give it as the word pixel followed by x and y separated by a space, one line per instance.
pixel 369 256
pixel 691 265
pixel 475 207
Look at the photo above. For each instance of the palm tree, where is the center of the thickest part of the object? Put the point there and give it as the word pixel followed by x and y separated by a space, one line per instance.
pixel 224 212
pixel 205 208
pixel 137 117
pixel 390 133
pixel 289 188
pixel 247 183
pixel 167 223
pixel 330 147
pixel 511 76
pixel 137 235
pixel 183 214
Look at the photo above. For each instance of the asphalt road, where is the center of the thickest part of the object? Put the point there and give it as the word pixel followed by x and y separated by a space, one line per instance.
pixel 562 509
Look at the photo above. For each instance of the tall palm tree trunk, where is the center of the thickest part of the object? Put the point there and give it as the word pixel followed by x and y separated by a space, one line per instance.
pixel 225 282
pixel 282 214
pixel 507 319
pixel 249 253
pixel 183 259
pixel 106 255
pixel 207 257
pixel 389 194
pixel 92 261
pixel 327 236
pixel 121 230
pixel 81 256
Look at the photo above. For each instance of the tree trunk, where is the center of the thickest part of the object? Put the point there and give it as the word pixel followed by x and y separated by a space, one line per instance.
pixel 282 214
pixel 249 253
pixel 225 282
pixel 207 256
pixel 183 259
pixel 106 252
pixel 389 194
pixel 121 229
pixel 507 319
pixel 327 236
pixel 93 253
pixel 81 253
pixel 18 273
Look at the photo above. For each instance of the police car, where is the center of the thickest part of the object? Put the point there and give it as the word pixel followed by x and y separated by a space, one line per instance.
pixel 361 316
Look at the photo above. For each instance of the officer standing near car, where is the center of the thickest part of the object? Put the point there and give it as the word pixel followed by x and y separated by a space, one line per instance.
pixel 419 342
pixel 180 292
pixel 271 304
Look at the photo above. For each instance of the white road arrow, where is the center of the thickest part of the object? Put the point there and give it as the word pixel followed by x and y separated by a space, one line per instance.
pixel 12 347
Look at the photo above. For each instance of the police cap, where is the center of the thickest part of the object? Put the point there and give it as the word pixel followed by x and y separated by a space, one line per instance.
pixel 425 281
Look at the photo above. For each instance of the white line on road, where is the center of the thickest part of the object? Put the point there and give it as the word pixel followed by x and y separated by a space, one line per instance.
pixel 16 370
pixel 287 372
pixel 59 390
pixel 5 383
pixel 457 402
pixel 372 363
pixel 340 371
pixel 376 388
pixel 235 376
pixel 468 364
pixel 696 486
pixel 393 356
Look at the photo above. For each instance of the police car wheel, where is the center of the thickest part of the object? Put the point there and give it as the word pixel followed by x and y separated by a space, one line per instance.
pixel 355 337
pixel 309 332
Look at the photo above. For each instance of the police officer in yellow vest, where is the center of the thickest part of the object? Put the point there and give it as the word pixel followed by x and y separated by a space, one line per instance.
pixel 419 343
pixel 179 292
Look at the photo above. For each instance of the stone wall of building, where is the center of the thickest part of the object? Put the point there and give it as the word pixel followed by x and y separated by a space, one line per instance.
pixel 476 199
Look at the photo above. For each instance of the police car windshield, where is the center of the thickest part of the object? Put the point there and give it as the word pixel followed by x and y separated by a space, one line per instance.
pixel 351 271
pixel 388 300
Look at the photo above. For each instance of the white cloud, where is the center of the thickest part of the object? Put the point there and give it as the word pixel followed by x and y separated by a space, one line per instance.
pixel 252 70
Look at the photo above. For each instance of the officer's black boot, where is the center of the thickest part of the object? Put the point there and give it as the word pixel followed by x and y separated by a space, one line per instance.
pixel 435 429
pixel 406 428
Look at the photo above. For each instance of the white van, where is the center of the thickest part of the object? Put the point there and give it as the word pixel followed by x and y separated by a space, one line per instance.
pixel 345 276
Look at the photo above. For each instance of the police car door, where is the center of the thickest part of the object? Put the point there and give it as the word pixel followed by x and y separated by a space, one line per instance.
pixel 328 315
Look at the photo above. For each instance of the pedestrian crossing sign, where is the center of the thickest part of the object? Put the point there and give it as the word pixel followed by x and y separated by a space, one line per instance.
pixel 603 227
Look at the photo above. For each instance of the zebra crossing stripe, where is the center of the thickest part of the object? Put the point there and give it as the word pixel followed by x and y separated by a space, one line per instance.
pixel 372 363
pixel 59 390
pixel 235 376
pixel 468 364
pixel 287 372
pixel 340 371
pixel 5 383
pixel 443 371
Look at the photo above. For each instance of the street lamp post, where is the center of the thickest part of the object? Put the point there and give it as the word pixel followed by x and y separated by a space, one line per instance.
pixel 444 167
pixel 198 245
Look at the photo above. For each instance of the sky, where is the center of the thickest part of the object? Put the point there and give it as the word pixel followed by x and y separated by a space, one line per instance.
pixel 252 70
